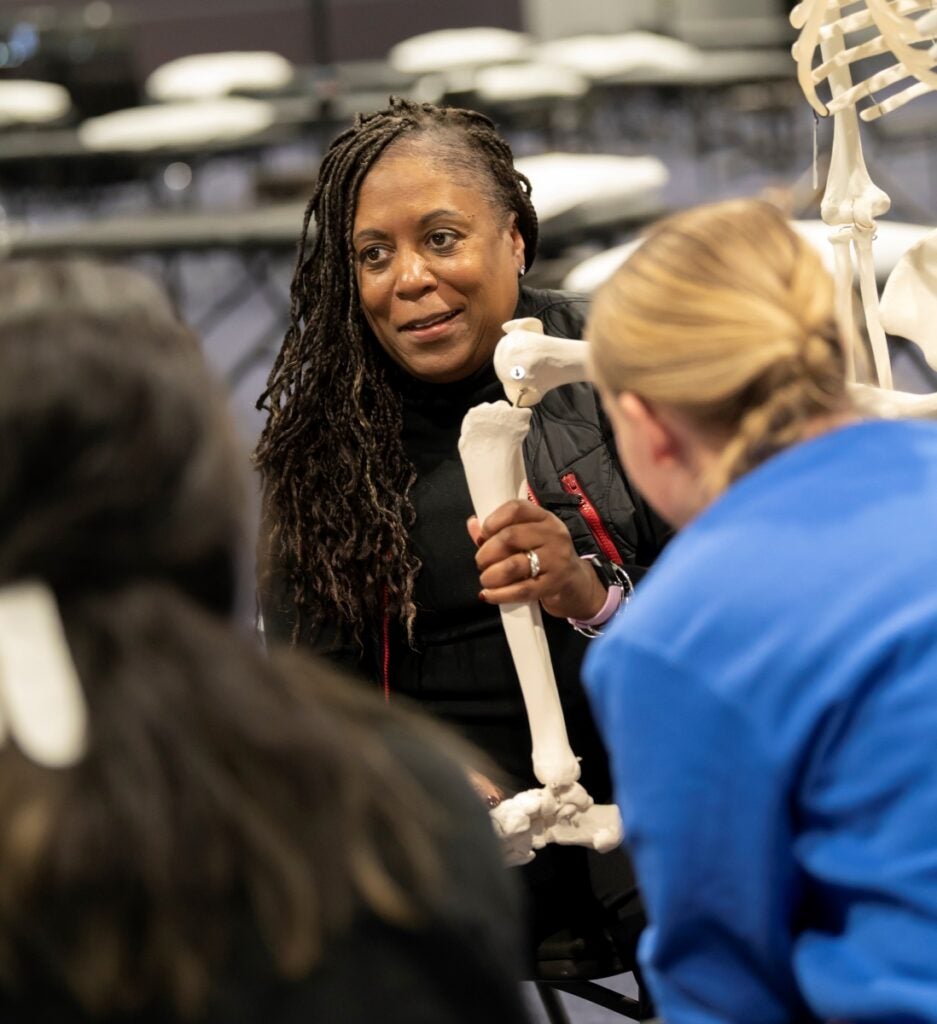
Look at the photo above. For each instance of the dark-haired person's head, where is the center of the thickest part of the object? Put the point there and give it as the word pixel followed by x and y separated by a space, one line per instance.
pixel 116 467
pixel 218 797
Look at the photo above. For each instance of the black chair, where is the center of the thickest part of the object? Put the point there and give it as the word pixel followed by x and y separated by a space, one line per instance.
pixel 575 963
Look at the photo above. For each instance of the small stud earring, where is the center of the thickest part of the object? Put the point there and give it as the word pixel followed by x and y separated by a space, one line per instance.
pixel 522 271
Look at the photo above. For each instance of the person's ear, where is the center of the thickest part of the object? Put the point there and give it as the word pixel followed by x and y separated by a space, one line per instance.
pixel 654 431
pixel 517 242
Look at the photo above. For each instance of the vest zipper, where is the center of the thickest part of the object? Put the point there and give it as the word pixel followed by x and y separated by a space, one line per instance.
pixel 593 520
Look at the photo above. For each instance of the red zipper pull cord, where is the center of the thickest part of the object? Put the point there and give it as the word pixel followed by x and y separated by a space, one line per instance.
pixel 593 520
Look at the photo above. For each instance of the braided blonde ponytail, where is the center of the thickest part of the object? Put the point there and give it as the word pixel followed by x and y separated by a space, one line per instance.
pixel 726 315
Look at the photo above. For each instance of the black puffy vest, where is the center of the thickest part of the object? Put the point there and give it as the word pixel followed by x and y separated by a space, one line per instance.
pixel 572 466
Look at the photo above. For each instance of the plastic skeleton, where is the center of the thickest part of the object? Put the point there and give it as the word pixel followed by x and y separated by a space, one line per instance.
pixel 529 364
pixel 906 30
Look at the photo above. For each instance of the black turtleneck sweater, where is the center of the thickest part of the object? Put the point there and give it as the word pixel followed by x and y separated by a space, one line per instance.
pixel 461 668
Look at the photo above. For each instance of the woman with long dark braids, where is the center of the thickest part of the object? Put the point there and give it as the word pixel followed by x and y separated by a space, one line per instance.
pixel 422 231
pixel 352 539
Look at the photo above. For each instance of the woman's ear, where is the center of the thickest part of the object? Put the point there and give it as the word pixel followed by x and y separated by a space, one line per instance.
pixel 662 455
pixel 650 428
pixel 517 241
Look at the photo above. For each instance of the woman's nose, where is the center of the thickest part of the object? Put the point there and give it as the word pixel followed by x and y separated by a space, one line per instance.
pixel 414 275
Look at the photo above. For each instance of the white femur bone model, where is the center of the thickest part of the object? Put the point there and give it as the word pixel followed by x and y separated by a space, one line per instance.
pixel 902 32
pixel 530 363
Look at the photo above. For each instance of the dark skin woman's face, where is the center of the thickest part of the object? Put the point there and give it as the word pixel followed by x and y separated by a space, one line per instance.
pixel 437 264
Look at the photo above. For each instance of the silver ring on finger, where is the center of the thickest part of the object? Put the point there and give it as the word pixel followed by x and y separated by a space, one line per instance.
pixel 534 564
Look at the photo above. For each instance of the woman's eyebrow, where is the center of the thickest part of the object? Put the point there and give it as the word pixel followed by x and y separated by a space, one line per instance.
pixel 369 234
pixel 375 234
pixel 433 214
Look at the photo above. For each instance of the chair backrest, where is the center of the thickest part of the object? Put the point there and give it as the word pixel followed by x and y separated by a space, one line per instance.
pixel 203 76
pixel 604 57
pixel 564 181
pixel 169 125
pixel 457 48
pixel 26 102
pixel 506 83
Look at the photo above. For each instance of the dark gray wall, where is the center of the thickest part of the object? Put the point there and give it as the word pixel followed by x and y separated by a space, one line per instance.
pixel 162 29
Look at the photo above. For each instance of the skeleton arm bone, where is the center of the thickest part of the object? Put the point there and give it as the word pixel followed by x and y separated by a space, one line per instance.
pixel 851 197
pixel 843 282
pixel 868 289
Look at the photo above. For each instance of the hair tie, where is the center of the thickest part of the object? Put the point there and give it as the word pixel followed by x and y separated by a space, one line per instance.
pixel 815 349
pixel 42 705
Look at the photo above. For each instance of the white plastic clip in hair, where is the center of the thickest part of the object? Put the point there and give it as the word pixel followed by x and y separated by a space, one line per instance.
pixel 42 706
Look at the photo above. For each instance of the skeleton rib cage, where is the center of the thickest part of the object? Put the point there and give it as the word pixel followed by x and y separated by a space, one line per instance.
pixel 904 34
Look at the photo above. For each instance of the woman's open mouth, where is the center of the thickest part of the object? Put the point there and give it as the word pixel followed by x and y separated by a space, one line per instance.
pixel 429 328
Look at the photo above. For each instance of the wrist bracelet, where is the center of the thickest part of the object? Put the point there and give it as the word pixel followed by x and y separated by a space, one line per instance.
pixel 618 594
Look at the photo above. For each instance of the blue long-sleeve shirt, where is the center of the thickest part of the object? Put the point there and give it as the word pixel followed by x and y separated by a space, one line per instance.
pixel 770 702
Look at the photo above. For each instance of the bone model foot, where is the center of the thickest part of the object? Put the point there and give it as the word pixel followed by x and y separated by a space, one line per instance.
pixel 566 815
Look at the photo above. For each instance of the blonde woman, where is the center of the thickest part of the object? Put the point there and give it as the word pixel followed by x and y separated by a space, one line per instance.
pixel 770 696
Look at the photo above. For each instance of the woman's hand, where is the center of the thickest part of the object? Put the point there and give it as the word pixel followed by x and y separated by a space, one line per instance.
pixel 566 586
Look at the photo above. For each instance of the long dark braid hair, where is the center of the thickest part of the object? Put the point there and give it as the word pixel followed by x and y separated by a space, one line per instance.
pixel 336 479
